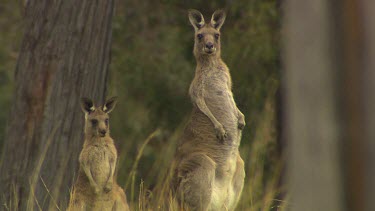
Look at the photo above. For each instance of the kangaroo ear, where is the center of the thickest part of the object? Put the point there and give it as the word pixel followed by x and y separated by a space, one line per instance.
pixel 110 104
pixel 87 105
pixel 218 19
pixel 196 19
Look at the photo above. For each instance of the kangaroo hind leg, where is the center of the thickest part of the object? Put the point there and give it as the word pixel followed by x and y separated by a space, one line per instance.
pixel 237 182
pixel 196 174
pixel 77 205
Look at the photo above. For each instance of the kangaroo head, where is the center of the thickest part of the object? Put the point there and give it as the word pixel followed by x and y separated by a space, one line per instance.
pixel 96 118
pixel 207 35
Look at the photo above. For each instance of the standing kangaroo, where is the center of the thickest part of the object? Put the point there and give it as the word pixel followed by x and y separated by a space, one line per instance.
pixel 209 172
pixel 96 187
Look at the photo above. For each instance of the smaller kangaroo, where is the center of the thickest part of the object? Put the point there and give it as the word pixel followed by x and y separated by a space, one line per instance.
pixel 96 187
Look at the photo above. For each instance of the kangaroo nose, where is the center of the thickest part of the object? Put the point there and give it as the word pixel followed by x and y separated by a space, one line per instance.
pixel 102 132
pixel 209 45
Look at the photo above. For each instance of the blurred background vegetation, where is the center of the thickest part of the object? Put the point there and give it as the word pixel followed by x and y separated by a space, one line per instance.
pixel 151 69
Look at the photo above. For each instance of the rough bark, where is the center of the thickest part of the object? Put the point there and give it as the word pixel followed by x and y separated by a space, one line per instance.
pixel 64 55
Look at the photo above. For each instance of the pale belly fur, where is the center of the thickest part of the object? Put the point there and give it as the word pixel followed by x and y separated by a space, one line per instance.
pixel 223 197
pixel 100 168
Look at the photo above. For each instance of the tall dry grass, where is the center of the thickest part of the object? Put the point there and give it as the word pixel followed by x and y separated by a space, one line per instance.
pixel 146 192
pixel 263 166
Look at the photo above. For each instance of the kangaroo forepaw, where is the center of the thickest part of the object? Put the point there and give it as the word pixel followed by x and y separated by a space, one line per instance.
pixel 241 122
pixel 96 190
pixel 108 187
pixel 241 125
pixel 221 134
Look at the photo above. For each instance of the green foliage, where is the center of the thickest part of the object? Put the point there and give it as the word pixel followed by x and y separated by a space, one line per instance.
pixel 11 28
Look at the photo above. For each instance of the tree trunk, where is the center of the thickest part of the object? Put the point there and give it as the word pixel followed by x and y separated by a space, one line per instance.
pixel 368 80
pixel 64 55
pixel 312 131
pixel 329 104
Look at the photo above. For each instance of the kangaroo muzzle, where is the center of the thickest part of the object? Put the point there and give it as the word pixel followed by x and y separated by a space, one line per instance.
pixel 209 48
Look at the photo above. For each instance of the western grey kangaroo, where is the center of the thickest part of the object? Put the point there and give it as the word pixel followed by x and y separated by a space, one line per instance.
pixel 208 170
pixel 96 187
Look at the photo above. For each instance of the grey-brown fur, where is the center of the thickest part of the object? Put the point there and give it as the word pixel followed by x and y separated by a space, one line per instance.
pixel 209 172
pixel 96 187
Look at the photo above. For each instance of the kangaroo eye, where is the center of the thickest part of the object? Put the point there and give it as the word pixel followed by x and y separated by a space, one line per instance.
pixel 217 36
pixel 200 36
pixel 106 121
pixel 94 122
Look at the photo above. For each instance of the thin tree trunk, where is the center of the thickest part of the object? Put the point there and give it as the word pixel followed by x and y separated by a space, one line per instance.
pixel 349 40
pixel 368 10
pixel 64 55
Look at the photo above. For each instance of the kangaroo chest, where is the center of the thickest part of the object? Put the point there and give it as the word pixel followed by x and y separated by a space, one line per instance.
pixel 219 99
pixel 218 93
pixel 101 160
